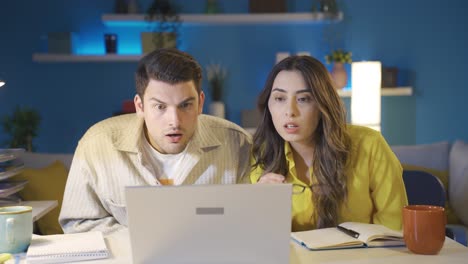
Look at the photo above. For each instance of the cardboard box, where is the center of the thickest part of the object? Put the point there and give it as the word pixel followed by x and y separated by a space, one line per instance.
pixel 389 77
pixel 62 43
pixel 267 6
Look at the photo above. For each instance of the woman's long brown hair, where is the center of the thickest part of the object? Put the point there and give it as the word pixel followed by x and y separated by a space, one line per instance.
pixel 331 139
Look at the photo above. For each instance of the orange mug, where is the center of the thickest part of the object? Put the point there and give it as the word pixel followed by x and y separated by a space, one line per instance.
pixel 424 228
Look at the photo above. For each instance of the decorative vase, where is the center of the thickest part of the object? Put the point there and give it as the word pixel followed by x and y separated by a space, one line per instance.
pixel 217 109
pixel 339 75
pixel 110 42
pixel 211 7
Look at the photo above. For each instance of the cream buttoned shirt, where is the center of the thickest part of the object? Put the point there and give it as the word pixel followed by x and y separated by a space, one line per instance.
pixel 109 157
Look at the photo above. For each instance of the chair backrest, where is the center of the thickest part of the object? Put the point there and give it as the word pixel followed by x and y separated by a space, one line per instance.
pixel 423 188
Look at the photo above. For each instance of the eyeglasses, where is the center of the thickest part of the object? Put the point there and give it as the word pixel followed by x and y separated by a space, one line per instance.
pixel 298 188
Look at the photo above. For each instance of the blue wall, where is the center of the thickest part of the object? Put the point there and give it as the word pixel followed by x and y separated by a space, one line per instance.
pixel 423 38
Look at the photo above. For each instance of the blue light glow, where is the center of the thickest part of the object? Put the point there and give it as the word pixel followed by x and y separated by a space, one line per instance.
pixel 139 24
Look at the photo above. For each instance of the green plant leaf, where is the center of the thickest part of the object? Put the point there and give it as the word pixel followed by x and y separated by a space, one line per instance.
pixel 22 127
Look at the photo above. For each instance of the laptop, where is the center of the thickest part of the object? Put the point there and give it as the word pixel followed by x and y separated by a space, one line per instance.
pixel 238 223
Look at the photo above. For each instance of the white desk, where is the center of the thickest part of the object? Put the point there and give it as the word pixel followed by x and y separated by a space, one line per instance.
pixel 452 252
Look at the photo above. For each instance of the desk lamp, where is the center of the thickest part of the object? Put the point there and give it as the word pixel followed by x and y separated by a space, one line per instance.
pixel 365 93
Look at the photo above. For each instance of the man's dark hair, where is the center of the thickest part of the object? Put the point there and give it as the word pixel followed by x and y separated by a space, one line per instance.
pixel 167 65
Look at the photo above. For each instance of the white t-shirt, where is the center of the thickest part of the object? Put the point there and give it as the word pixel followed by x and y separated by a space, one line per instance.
pixel 163 164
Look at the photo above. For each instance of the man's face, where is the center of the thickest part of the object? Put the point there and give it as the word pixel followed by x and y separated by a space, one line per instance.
pixel 171 114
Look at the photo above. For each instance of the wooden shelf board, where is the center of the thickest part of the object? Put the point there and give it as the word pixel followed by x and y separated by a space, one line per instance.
pixel 44 57
pixel 214 19
pixel 394 91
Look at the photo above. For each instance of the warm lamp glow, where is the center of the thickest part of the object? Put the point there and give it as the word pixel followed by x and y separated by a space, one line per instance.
pixel 2 83
pixel 365 93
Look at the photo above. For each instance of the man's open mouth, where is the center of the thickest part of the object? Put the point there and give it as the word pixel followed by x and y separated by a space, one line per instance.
pixel 175 137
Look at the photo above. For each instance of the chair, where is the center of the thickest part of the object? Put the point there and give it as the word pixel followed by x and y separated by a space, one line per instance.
pixel 424 188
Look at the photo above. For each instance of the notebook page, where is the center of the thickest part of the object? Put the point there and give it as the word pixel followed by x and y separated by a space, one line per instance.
pixel 325 238
pixel 67 247
pixel 369 232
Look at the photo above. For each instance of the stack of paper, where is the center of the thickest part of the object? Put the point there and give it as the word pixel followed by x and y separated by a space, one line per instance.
pixel 10 154
pixel 10 162
pixel 10 165
pixel 11 187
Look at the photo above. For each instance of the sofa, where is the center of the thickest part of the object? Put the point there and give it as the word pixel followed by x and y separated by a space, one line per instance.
pixel 41 160
pixel 449 162
pixel 46 175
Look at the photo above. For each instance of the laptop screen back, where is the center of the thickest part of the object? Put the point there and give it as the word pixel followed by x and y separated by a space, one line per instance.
pixel 239 223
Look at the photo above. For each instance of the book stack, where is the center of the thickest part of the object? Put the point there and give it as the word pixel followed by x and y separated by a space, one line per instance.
pixel 10 165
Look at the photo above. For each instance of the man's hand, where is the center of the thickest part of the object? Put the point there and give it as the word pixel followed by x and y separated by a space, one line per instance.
pixel 271 177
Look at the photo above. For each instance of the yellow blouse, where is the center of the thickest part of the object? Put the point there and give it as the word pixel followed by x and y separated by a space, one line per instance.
pixel 376 192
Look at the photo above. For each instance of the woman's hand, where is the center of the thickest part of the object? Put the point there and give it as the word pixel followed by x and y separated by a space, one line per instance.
pixel 271 177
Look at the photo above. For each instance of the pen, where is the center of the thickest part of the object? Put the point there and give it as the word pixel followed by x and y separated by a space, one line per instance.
pixel 348 231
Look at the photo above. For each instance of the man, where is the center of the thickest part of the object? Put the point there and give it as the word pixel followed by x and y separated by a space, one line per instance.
pixel 168 141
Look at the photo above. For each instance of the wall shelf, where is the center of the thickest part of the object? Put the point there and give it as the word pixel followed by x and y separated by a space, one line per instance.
pixel 45 57
pixel 188 19
pixel 57 58
pixel 394 91
pixel 216 19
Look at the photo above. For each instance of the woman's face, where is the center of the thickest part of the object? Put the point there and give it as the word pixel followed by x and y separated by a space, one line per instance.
pixel 294 112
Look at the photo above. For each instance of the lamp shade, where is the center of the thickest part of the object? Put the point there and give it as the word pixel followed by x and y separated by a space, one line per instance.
pixel 365 93
pixel 2 83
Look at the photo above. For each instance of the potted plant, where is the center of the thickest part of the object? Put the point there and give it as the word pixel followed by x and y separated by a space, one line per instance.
pixel 216 75
pixel 211 7
pixel 329 7
pixel 165 22
pixel 22 127
pixel 339 75
pixel 339 56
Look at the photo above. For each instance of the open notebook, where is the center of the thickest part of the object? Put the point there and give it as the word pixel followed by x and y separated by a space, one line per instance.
pixel 67 248
pixel 352 235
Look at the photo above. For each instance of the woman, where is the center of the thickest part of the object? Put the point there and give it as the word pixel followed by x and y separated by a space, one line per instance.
pixel 339 172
